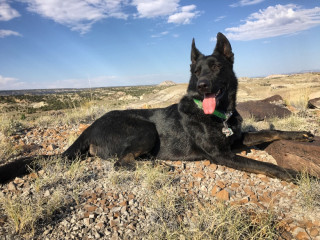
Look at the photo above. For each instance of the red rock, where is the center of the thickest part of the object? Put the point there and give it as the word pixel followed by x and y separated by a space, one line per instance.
pixel 314 232
pixel 302 236
pixel 263 109
pixel 214 190
pixel 299 156
pixel 221 184
pixel 131 196
pixel 235 185
pixel 11 186
pixel 90 208
pixel 83 127
pixel 206 163
pixel 248 191
pixel 198 175
pixel 124 203
pixel 213 166
pixel 223 195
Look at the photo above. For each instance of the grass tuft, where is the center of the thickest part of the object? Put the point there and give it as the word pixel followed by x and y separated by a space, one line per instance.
pixel 309 191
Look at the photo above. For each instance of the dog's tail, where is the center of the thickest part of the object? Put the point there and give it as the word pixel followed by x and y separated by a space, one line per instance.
pixel 20 167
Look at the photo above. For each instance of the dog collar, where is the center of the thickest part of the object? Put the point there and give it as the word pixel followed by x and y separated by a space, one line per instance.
pixel 216 112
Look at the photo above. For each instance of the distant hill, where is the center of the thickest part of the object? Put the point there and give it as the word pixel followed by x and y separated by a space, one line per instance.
pixel 167 83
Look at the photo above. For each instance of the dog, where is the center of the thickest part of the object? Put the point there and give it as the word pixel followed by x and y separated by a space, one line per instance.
pixel 203 125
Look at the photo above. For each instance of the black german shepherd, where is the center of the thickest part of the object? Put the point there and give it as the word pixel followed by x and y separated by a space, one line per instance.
pixel 203 125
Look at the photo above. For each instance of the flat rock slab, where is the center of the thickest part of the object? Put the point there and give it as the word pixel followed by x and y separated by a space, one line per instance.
pixel 299 156
pixel 314 103
pixel 263 109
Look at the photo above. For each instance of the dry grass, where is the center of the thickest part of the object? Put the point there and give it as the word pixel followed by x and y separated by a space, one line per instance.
pixel 298 99
pixel 309 191
pixel 176 216
pixel 57 184
pixel 295 122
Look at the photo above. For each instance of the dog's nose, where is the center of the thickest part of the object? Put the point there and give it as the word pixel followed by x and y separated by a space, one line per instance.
pixel 203 86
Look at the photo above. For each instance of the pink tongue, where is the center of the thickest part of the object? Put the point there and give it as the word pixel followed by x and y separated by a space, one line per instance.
pixel 209 103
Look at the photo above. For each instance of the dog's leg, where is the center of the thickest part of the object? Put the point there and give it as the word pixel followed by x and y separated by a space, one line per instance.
pixel 255 138
pixel 127 162
pixel 252 166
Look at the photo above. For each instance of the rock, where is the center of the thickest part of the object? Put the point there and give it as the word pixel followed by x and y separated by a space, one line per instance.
pixel 51 147
pixel 223 195
pixel 82 127
pixel 314 232
pixel 11 186
pixel 263 109
pixel 302 236
pixel 299 156
pixel 314 103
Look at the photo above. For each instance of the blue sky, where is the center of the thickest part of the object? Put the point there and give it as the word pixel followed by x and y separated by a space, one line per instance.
pixel 99 43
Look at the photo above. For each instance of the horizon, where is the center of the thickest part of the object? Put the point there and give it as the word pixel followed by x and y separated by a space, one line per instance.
pixel 145 42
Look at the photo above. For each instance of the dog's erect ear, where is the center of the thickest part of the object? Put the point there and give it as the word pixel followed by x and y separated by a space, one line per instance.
pixel 223 47
pixel 195 53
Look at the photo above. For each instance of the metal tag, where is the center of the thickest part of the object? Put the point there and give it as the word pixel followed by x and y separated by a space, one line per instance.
pixel 227 131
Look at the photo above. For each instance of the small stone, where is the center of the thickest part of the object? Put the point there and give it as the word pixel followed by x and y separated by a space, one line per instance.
pixel 90 208
pixel 86 222
pixel 302 236
pixel 223 195
pixel 115 209
pixel 198 175
pixel 314 232
pixel 11 186
pixel 235 185
pixel 214 190
pixel 46 193
pixel 221 184
pixel 213 166
pixel 206 163
pixel 114 223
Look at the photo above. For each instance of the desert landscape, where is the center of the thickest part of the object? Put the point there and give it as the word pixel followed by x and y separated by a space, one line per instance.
pixel 196 200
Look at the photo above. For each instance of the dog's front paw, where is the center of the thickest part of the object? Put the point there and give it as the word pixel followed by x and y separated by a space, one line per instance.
pixel 307 137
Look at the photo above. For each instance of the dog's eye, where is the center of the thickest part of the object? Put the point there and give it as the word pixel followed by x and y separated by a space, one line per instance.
pixel 197 71
pixel 215 67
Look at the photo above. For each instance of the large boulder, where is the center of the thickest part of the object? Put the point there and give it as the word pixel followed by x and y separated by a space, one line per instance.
pixel 314 103
pixel 264 109
pixel 299 156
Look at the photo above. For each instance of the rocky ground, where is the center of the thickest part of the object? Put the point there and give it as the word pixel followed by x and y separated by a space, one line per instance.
pixel 109 209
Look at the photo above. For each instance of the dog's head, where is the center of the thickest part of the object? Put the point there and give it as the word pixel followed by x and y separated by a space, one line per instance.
pixel 212 78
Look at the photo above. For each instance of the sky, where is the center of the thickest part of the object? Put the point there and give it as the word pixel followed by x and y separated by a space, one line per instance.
pixel 102 43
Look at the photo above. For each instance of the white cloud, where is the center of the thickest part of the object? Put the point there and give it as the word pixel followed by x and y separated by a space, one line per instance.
pixel 166 8
pixel 7 83
pixel 275 21
pixel 242 3
pixel 79 15
pixel 160 34
pixel 6 33
pixel 184 15
pixel 218 19
pixel 6 12
pixel 155 8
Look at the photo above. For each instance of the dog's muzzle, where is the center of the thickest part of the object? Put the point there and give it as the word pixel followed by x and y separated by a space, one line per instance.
pixel 203 86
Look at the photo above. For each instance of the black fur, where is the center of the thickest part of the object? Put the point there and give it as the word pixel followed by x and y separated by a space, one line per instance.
pixel 181 131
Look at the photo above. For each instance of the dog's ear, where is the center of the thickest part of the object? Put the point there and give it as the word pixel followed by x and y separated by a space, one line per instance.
pixel 223 47
pixel 195 53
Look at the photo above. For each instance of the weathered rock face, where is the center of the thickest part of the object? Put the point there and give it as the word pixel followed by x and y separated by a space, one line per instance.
pixel 263 109
pixel 299 156
pixel 314 103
